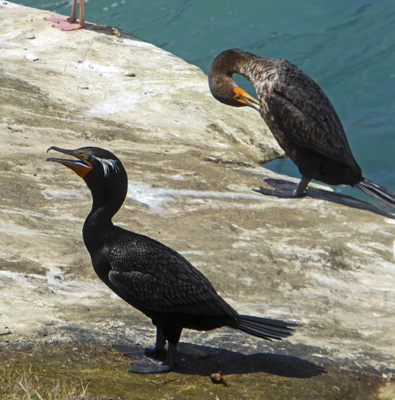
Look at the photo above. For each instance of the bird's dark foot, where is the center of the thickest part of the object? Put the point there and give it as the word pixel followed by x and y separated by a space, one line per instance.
pixel 283 189
pixel 140 353
pixel 149 366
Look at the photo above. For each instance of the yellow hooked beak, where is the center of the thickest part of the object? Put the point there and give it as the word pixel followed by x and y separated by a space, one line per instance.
pixel 243 97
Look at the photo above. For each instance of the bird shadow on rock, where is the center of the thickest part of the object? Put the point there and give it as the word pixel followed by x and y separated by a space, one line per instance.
pixel 321 194
pixel 204 360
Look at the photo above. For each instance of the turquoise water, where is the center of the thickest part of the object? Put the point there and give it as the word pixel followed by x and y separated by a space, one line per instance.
pixel 347 46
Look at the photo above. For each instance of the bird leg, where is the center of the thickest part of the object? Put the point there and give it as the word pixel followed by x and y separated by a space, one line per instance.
pixel 300 190
pixel 171 355
pixel 140 353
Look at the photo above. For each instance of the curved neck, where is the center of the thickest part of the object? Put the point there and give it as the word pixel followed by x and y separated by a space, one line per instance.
pixel 256 69
pixel 235 61
pixel 105 205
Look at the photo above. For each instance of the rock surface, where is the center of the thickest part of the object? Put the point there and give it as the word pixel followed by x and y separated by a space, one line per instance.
pixel 325 261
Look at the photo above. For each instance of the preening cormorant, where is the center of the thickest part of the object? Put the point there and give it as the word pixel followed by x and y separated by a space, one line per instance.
pixel 147 274
pixel 299 115
pixel 69 24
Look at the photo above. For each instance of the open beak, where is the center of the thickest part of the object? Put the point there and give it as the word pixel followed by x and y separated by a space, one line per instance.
pixel 243 97
pixel 81 166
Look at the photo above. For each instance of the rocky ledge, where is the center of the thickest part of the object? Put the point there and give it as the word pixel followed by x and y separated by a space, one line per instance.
pixel 325 261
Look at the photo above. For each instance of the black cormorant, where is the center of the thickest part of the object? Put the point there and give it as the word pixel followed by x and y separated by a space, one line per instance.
pixel 299 115
pixel 147 274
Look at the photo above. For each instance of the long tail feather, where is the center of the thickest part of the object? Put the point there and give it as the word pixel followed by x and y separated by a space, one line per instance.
pixel 265 328
pixel 376 191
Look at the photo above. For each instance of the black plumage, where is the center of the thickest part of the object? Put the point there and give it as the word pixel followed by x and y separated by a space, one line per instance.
pixel 300 116
pixel 147 274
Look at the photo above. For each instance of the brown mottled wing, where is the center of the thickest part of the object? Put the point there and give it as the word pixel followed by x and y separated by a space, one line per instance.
pixel 305 115
pixel 152 276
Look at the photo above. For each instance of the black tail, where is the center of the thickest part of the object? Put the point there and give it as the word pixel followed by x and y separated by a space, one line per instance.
pixel 376 191
pixel 265 328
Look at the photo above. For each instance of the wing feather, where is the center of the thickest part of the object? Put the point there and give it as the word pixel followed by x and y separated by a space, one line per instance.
pixel 305 114
pixel 149 274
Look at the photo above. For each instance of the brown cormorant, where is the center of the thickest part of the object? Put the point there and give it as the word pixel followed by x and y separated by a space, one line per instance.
pixel 70 24
pixel 299 115
pixel 147 274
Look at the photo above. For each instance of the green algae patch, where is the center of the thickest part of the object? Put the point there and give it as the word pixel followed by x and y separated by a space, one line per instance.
pixel 59 371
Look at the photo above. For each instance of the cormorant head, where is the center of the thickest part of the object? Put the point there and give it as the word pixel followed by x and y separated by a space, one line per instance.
pixel 223 87
pixel 101 170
